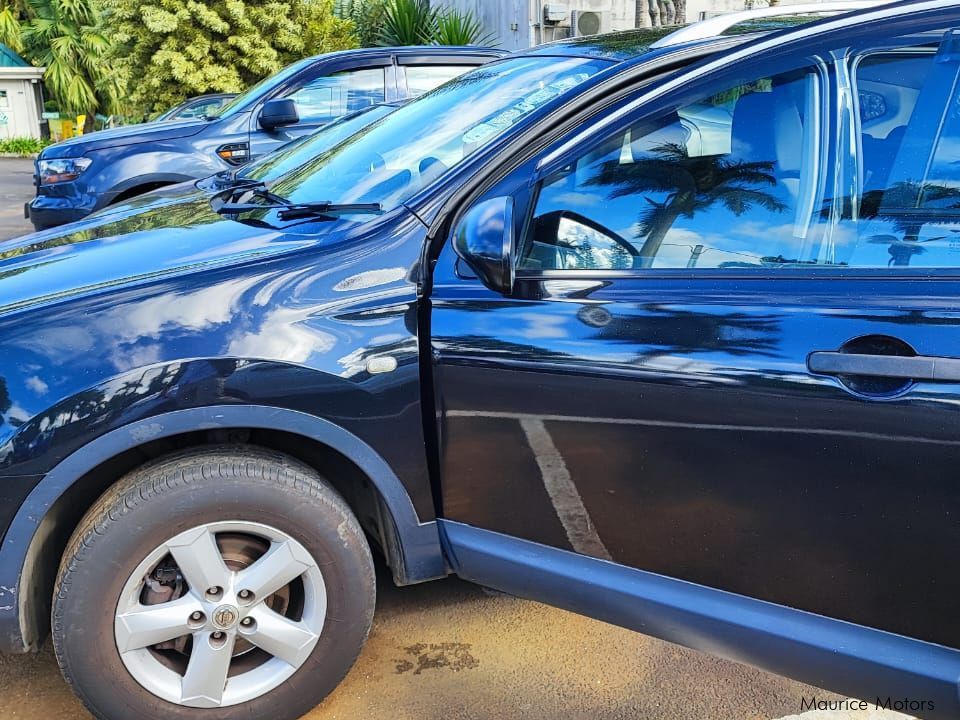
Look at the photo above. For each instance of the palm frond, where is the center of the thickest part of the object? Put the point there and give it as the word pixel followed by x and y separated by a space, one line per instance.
pixel 455 27
pixel 408 22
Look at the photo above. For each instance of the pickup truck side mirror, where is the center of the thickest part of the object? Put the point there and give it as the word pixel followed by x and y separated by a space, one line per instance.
pixel 277 113
pixel 484 240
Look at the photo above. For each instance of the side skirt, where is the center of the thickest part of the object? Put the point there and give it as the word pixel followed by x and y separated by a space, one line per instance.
pixel 850 659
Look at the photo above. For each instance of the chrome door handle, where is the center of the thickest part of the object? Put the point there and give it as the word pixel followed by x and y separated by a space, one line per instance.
pixel 917 367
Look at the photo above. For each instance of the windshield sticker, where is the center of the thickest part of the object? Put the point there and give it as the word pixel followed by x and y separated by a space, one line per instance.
pixel 505 119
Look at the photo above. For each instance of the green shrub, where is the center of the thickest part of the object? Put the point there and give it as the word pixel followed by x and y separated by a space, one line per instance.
pixel 461 28
pixel 415 22
pixel 366 16
pixel 22 145
pixel 408 22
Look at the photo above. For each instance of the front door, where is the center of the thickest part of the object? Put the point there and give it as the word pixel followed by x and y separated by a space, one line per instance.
pixel 729 354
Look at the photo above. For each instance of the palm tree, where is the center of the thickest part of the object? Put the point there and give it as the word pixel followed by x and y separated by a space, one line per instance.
pixel 68 38
pixel 408 22
pixel 692 184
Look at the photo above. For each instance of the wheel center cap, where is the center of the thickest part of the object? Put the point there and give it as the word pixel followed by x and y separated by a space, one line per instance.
pixel 225 617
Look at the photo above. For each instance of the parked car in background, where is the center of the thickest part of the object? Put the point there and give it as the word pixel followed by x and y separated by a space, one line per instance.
pixel 82 175
pixel 298 152
pixel 196 107
pixel 664 334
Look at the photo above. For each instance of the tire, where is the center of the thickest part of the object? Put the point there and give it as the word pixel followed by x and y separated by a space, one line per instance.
pixel 250 501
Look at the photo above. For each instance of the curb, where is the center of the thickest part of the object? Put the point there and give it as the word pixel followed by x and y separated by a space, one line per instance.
pixel 18 156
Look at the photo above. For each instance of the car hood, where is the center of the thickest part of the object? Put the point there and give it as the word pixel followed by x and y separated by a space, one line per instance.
pixel 126 135
pixel 162 235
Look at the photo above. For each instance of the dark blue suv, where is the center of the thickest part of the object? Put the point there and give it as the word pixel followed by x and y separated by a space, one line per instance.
pixel 82 175
pixel 665 334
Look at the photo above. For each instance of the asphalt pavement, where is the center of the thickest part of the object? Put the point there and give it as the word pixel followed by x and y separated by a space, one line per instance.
pixel 16 188
pixel 452 650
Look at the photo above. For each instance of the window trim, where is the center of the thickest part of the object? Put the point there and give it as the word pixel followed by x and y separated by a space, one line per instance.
pixel 904 274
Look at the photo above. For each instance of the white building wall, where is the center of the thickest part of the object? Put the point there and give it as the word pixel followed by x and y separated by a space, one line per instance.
pixel 19 107
pixel 507 20
pixel 698 9
pixel 515 24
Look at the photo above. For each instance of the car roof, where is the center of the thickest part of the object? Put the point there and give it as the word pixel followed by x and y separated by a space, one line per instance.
pixel 208 96
pixel 417 50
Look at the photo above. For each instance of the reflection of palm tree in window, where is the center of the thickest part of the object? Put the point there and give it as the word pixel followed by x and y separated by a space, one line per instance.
pixel 692 184
pixel 909 206
pixel 4 398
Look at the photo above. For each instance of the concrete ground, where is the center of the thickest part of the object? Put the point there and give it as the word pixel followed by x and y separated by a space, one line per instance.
pixel 449 649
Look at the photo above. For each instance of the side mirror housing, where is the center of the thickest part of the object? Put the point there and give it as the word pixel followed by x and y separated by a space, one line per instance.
pixel 277 113
pixel 484 240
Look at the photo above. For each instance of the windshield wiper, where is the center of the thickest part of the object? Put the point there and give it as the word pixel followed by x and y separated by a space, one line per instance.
pixel 237 187
pixel 296 211
pixel 288 210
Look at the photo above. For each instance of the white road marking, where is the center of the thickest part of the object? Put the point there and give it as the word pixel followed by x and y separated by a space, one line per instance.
pixel 562 491
pixel 702 426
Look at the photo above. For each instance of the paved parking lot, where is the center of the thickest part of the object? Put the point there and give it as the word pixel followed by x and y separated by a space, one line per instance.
pixel 16 188
pixel 449 649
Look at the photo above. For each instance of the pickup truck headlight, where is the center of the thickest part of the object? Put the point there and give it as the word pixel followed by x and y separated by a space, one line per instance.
pixel 62 170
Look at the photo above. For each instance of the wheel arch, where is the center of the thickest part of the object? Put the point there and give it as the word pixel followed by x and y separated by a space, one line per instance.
pixel 34 541
pixel 134 186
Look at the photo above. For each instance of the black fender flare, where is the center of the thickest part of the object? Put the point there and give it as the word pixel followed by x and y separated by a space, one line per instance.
pixel 418 546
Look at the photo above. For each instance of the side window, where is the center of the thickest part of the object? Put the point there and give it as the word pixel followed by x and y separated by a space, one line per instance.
pixel 424 78
pixel 327 98
pixel 908 214
pixel 199 110
pixel 729 180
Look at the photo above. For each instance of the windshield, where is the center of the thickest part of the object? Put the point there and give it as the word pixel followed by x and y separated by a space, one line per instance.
pixel 241 100
pixel 294 154
pixel 390 160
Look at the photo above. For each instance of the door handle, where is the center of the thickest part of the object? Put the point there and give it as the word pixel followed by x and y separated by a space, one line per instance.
pixel 915 367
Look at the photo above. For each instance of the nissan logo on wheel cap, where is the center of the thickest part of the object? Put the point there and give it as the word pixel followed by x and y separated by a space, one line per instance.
pixel 225 617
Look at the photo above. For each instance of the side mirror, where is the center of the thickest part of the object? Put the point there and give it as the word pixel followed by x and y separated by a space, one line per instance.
pixel 484 240
pixel 277 113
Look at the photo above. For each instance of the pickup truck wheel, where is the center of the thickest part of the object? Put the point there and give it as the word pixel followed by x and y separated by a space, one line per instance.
pixel 210 580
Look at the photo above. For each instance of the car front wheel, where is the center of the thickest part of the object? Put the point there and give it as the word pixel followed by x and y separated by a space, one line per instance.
pixel 212 580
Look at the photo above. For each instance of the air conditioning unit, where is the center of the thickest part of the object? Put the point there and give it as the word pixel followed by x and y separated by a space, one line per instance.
pixel 556 13
pixel 590 22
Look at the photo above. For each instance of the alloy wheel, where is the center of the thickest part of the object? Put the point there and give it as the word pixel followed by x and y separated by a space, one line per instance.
pixel 220 614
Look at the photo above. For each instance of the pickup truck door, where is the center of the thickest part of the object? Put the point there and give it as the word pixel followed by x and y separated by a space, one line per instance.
pixel 323 94
pixel 730 355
